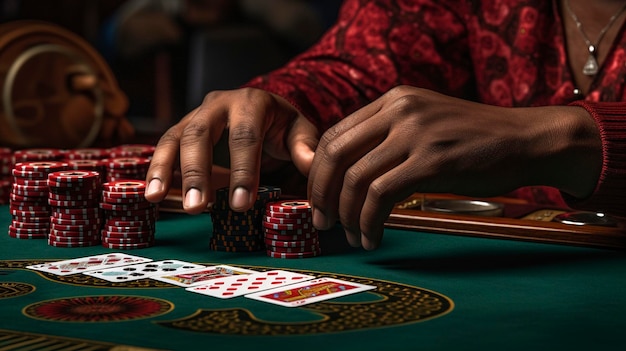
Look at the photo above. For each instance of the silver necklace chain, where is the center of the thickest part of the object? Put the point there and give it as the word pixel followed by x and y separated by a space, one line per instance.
pixel 591 67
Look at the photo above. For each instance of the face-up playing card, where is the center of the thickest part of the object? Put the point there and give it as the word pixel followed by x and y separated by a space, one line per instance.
pixel 143 270
pixel 228 287
pixel 311 291
pixel 202 275
pixel 89 263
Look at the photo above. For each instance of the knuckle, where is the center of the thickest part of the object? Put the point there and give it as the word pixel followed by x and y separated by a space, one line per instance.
pixel 244 135
pixel 353 179
pixel 334 150
pixel 194 130
pixel 378 192
pixel 193 176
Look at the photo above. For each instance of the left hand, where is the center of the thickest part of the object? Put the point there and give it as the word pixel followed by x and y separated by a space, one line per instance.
pixel 414 140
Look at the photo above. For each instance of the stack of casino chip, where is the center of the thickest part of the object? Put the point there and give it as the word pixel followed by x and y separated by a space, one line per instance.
pixel 29 199
pixel 124 168
pixel 131 150
pixel 240 231
pixel 289 231
pixel 6 164
pixel 74 201
pixel 129 219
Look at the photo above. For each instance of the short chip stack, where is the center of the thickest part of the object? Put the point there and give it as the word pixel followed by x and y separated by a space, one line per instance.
pixel 74 198
pixel 29 199
pixel 240 231
pixel 129 219
pixel 289 231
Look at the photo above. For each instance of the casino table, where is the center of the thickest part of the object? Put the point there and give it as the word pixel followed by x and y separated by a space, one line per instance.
pixel 434 291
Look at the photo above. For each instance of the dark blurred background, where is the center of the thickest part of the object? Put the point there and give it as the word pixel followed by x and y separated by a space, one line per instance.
pixel 167 54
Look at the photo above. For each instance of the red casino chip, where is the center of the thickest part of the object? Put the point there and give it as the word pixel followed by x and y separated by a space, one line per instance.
pixel 294 206
pixel 80 217
pixel 125 186
pixel 78 177
pixel 75 228
pixel 288 227
pixel 30 182
pixel 132 150
pixel 290 232
pixel 132 235
pixel 77 211
pixel 303 249
pixel 27 236
pixel 58 232
pixel 120 223
pixel 287 215
pixel 38 231
pixel 74 244
pixel 126 163
pixel 19 188
pixel 293 243
pixel 296 237
pixel 73 204
pixel 28 207
pixel 126 241
pixel 17 174
pixel 113 228
pixel 46 167
pixel 73 197
pixel 74 239
pixel 139 206
pixel 124 195
pixel 128 246
pixel 32 219
pixel 30 225
pixel 288 255
pixel 279 220
pixel 43 154
pixel 69 221
pixel 28 214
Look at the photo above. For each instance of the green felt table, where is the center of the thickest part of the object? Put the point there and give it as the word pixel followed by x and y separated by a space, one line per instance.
pixel 434 292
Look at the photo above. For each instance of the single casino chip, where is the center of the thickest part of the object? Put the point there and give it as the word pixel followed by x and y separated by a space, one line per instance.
pixel 147 232
pixel 115 228
pixel 120 223
pixel 42 154
pixel 67 221
pixel 33 175
pixel 132 150
pixel 32 219
pixel 125 186
pixel 77 211
pixel 30 182
pixel 279 220
pixel 290 232
pixel 122 200
pixel 74 244
pixel 290 255
pixel 18 230
pixel 27 236
pixel 108 234
pixel 75 228
pixel 27 207
pixel 28 214
pixel 27 199
pixel 303 249
pixel 129 218
pixel 57 232
pixel 80 217
pixel 126 241
pixel 77 177
pixel 29 225
pixel 73 197
pixel 46 167
pixel 288 227
pixel 126 163
pixel 293 206
pixel 290 237
pixel 73 239
pixel 124 195
pixel 128 246
pixel 18 188
pixel 293 243
pixel 73 204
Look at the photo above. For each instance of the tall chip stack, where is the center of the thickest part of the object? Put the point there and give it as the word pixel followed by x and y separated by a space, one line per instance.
pixel 289 231
pixel 126 168
pixel 29 199
pixel 74 200
pixel 240 231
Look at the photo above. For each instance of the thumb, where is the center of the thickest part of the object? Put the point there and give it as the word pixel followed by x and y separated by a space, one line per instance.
pixel 302 141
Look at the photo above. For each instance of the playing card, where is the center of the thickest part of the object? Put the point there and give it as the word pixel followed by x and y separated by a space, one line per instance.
pixel 233 286
pixel 143 270
pixel 89 263
pixel 202 275
pixel 311 291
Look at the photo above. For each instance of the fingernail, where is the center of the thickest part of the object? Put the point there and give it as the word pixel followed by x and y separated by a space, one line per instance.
pixel 154 186
pixel 193 197
pixel 240 198
pixel 319 219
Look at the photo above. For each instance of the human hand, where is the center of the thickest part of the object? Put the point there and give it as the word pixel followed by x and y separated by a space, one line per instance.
pixel 258 123
pixel 414 140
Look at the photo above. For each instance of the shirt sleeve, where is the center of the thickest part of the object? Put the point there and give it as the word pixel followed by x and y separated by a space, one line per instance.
pixel 610 192
pixel 373 47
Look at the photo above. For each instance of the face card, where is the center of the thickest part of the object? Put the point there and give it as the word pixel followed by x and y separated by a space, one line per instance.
pixel 225 288
pixel 202 275
pixel 143 270
pixel 311 291
pixel 89 263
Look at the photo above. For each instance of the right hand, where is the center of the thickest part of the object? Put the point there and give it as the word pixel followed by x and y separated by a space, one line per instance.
pixel 259 124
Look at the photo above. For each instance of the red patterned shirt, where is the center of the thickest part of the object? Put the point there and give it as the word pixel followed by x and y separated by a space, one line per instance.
pixel 500 52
